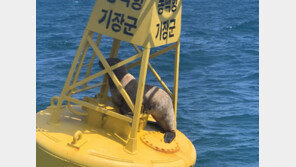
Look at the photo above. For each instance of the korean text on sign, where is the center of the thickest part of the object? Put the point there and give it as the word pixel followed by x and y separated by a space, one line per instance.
pixel 135 4
pixel 165 29
pixel 167 5
pixel 119 22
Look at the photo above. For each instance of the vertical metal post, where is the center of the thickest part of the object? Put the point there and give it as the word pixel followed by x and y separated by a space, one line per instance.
pixel 115 47
pixel 57 112
pixel 176 79
pixel 132 141
pixel 80 63
pixel 113 53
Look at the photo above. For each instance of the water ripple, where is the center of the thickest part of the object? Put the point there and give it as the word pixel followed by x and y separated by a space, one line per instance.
pixel 219 71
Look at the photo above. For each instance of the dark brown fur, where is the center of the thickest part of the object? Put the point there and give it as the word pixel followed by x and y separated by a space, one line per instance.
pixel 156 101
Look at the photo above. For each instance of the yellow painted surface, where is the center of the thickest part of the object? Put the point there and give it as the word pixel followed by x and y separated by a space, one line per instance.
pixel 103 144
pixel 147 23
pixel 93 132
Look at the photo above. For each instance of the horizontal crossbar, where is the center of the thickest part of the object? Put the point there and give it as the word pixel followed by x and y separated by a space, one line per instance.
pixel 87 88
pixel 85 80
pixel 154 55
pixel 99 109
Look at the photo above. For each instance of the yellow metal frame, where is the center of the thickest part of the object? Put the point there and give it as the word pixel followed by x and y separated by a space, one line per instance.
pixel 70 88
pixel 148 19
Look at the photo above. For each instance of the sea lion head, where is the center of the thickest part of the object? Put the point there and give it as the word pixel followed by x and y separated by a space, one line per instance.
pixel 120 72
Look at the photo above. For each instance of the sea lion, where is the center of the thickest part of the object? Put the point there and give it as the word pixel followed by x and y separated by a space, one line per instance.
pixel 156 101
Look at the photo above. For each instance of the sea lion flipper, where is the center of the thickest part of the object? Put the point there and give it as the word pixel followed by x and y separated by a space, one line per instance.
pixel 169 137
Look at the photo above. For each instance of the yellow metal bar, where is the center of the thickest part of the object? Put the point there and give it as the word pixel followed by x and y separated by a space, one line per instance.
pixel 104 89
pixel 115 47
pixel 154 55
pixel 111 74
pixel 176 78
pixel 132 141
pixel 155 74
pixel 104 71
pixel 92 59
pixel 99 109
pixel 85 65
pixel 74 111
pixel 86 88
pixel 56 114
pixel 160 80
pixel 136 48
pixel 81 62
pixel 113 53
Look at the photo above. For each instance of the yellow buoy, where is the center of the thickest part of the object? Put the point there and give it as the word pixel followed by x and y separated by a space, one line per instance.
pixel 91 131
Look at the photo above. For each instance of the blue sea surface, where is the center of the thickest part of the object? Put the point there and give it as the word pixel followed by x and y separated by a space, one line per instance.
pixel 218 103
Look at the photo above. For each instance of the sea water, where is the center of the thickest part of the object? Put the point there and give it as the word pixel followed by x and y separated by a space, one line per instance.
pixel 218 103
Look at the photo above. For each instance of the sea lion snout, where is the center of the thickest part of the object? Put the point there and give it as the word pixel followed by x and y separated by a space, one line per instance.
pixel 169 136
